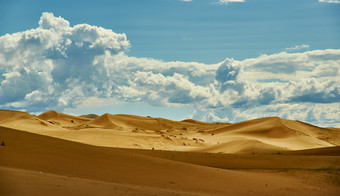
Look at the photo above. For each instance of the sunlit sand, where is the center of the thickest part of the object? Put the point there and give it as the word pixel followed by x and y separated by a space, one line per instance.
pixel 61 154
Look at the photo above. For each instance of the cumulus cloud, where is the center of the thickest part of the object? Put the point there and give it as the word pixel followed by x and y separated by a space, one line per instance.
pixel 58 66
pixel 51 58
pixel 292 66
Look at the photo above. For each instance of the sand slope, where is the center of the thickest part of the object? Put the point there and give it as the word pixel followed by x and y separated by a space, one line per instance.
pixel 265 135
pixel 53 162
pixel 132 122
pixel 16 183
pixel 63 120
pixel 25 121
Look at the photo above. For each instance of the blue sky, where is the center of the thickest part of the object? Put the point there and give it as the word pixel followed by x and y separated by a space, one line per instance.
pixel 199 30
pixel 168 58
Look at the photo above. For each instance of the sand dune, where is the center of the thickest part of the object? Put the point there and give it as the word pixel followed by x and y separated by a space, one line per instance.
pixel 268 156
pixel 260 136
pixel 24 121
pixel 270 127
pixel 327 151
pixel 63 120
pixel 269 135
pixel 192 121
pixel 133 122
pixel 90 116
pixel 243 146
pixel 53 163
pixel 105 121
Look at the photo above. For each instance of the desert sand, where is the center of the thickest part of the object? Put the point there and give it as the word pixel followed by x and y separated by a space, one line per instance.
pixel 61 154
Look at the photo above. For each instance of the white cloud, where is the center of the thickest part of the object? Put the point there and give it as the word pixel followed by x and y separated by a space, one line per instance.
pixel 225 2
pixel 48 21
pixel 186 0
pixel 52 58
pixel 329 1
pixel 292 66
pixel 58 66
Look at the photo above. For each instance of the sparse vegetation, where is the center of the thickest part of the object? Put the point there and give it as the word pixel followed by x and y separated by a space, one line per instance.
pixel 83 126
pixel 2 143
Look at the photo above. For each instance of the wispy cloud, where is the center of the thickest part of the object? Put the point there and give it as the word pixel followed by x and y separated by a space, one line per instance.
pixel 298 47
pixel 186 0
pixel 329 1
pixel 58 66
pixel 225 2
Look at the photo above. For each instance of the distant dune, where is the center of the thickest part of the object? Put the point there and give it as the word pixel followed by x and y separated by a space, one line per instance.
pixel 92 116
pixel 135 155
pixel 63 119
pixel 264 135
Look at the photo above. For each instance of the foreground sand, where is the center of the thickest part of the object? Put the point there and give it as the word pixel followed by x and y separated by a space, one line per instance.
pixel 38 164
